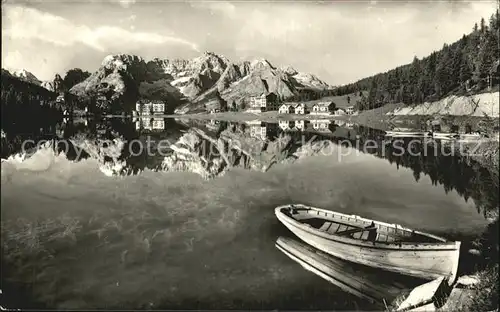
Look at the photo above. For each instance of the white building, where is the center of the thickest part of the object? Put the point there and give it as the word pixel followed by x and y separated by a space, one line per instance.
pixel 323 108
pixel 321 125
pixel 263 103
pixel 150 124
pixel 286 109
pixel 301 124
pixel 300 109
pixel 150 108
pixel 349 110
pixel 339 122
pixel 284 125
pixel 339 112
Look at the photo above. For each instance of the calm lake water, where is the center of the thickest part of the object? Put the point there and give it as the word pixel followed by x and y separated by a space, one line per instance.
pixel 190 224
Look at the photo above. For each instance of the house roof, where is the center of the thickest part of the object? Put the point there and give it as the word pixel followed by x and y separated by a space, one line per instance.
pixel 150 102
pixel 293 104
pixel 308 104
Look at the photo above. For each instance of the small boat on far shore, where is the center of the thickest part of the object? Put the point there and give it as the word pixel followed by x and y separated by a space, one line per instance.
pixel 435 135
pixel 406 134
pixel 373 243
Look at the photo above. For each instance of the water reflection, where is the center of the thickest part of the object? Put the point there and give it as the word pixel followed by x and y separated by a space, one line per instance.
pixel 212 147
pixel 149 231
pixel 362 281
pixel 151 124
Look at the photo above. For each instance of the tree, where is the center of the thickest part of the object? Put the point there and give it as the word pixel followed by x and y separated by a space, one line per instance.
pixel 58 84
pixel 473 58
pixel 486 57
pixel 74 76
pixel 483 25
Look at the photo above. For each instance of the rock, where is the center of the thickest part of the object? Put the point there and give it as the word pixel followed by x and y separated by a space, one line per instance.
pixel 467 280
pixel 474 252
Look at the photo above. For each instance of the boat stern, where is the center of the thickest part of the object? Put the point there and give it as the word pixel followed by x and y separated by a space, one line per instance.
pixel 456 260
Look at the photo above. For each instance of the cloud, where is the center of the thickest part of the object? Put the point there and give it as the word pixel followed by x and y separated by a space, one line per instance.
pixel 28 23
pixel 226 8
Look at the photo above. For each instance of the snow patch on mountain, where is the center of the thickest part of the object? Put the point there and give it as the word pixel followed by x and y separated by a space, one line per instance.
pixel 27 76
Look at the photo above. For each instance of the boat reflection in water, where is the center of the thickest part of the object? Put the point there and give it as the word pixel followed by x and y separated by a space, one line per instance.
pixel 382 289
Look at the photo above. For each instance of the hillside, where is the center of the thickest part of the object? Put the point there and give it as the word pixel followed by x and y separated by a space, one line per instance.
pixel 20 98
pixel 190 85
pixel 27 76
pixel 467 66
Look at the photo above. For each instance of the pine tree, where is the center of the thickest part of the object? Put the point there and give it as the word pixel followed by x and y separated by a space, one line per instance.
pixel 483 25
pixel 372 94
pixel 465 71
pixel 488 54
pixel 443 74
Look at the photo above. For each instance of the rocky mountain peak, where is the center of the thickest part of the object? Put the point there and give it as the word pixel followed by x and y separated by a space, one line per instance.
pixel 197 80
pixel 120 61
pixel 27 76
pixel 261 64
pixel 289 70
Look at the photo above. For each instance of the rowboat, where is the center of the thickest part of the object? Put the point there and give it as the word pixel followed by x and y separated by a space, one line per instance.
pixel 359 280
pixel 406 134
pixel 373 243
pixel 445 135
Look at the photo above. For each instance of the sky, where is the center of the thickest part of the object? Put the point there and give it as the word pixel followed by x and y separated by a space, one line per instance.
pixel 338 41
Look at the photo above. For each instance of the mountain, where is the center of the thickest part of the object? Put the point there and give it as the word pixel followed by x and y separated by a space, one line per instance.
pixel 21 98
pixel 49 85
pixel 123 79
pixel 189 85
pixel 25 75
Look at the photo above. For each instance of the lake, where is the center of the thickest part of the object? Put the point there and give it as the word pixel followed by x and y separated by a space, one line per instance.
pixel 171 214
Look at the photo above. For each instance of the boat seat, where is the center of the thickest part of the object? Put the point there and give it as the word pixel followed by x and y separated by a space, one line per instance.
pixel 333 228
pixel 341 228
pixel 357 235
pixel 355 232
pixel 325 226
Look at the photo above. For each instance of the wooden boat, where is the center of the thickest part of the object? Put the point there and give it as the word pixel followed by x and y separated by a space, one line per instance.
pixel 445 135
pixel 362 281
pixel 406 134
pixel 373 243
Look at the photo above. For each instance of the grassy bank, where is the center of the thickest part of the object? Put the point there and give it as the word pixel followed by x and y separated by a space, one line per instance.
pixel 484 294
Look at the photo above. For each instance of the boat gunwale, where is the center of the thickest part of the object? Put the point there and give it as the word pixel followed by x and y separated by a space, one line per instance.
pixel 443 245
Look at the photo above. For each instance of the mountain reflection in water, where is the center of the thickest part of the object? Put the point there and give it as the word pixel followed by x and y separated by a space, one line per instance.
pixel 209 148
pixel 76 238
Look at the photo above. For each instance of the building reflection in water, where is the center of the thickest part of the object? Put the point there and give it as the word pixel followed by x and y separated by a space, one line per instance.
pixel 322 125
pixel 151 124
pixel 293 125
pixel 262 130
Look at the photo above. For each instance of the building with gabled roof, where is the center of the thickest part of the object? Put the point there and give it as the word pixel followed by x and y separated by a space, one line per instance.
pixel 322 108
pixel 263 103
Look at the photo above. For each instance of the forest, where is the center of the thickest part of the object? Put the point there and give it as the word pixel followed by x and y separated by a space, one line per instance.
pixel 20 98
pixel 467 66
